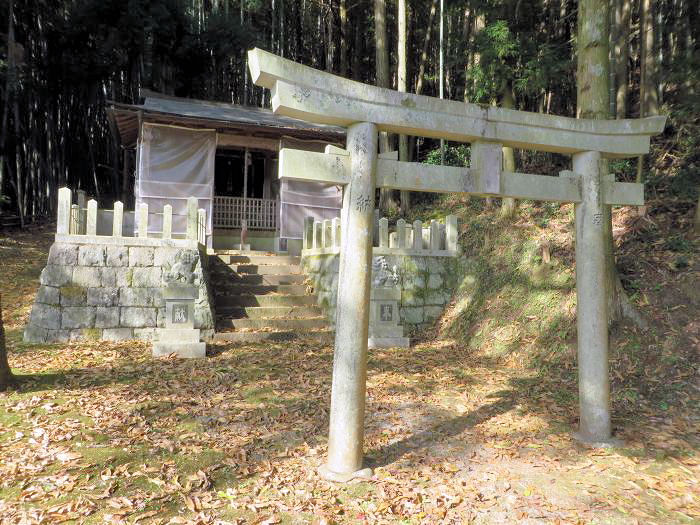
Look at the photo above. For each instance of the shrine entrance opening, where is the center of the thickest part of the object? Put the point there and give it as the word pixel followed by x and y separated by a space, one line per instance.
pixel 319 97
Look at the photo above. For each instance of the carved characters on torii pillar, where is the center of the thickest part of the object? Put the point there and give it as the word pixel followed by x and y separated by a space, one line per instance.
pixel 319 97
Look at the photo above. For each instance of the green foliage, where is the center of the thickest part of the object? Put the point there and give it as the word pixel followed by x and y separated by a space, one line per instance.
pixel 623 169
pixel 454 155
pixel 498 49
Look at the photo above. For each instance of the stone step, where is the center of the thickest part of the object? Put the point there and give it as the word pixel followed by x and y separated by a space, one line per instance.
pixel 222 278
pixel 258 289
pixel 260 259
pixel 271 312
pixel 246 253
pixel 237 301
pixel 265 269
pixel 274 324
pixel 322 336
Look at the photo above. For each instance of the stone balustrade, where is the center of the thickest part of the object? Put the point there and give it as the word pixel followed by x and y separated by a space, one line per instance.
pixel 428 239
pixel 115 226
pixel 107 275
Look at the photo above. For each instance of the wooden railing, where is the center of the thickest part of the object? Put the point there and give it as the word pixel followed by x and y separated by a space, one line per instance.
pixel 260 214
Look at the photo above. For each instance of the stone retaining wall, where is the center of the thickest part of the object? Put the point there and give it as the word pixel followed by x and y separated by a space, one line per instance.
pixel 426 282
pixel 113 290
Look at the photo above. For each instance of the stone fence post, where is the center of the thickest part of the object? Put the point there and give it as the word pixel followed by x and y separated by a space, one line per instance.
pixel 63 212
pixel 118 219
pixel 192 218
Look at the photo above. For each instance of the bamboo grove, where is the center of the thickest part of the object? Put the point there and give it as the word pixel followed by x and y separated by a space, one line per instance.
pixel 61 61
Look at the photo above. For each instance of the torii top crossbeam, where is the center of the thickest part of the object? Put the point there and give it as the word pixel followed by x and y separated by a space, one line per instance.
pixel 316 96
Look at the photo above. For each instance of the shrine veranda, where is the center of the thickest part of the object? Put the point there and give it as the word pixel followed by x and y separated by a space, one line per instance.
pixel 303 92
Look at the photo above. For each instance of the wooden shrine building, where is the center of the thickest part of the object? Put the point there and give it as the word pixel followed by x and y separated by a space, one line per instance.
pixel 185 147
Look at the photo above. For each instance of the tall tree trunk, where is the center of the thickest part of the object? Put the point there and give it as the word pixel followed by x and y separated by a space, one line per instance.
pixel 6 98
pixel 592 101
pixel 648 95
pixel 424 50
pixel 466 35
pixel 401 81
pixel 357 49
pixel 330 41
pixel 621 52
pixel 282 29
pixel 508 204
pixel 11 92
pixel 475 57
pixel 244 98
pixel 343 13
pixel 382 80
pixel 6 377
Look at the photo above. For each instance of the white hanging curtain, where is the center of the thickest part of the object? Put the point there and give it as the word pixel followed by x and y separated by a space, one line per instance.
pixel 175 164
pixel 300 199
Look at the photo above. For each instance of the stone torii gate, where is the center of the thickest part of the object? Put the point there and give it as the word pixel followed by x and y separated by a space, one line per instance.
pixel 315 96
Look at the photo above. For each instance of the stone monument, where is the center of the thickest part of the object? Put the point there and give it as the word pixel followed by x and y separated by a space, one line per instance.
pixel 179 336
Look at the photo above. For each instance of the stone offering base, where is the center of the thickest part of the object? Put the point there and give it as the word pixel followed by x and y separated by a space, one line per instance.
pixel 183 342
pixel 111 288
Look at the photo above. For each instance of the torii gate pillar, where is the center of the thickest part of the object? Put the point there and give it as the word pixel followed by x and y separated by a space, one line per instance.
pixel 591 304
pixel 347 418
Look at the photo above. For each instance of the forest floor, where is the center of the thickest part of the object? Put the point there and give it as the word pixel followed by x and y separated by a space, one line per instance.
pixel 471 427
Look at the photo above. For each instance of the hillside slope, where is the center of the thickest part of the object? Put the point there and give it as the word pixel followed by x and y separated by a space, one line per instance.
pixel 516 308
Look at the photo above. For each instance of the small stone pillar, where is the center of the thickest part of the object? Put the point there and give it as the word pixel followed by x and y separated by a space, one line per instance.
pixel 192 218
pixel 142 220
pixel 179 336
pixel 317 235
pixel 167 222
pixel 401 231
pixel 383 232
pixel 417 236
pixel 434 236
pixel 202 226
pixel 91 223
pixel 308 233
pixel 335 232
pixel 81 198
pixel 451 233
pixel 118 219
pixel 74 219
pixel 326 234
pixel 64 215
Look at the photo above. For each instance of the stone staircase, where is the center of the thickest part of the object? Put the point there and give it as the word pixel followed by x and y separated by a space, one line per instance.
pixel 262 297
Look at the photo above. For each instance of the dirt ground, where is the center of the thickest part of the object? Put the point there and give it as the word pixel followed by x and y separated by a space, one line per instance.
pixel 102 432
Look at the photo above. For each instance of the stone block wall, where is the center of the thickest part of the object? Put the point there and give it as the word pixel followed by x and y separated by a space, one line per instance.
pixel 426 282
pixel 114 290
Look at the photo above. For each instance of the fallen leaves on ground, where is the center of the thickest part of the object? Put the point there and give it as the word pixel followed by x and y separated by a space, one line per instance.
pixel 105 433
